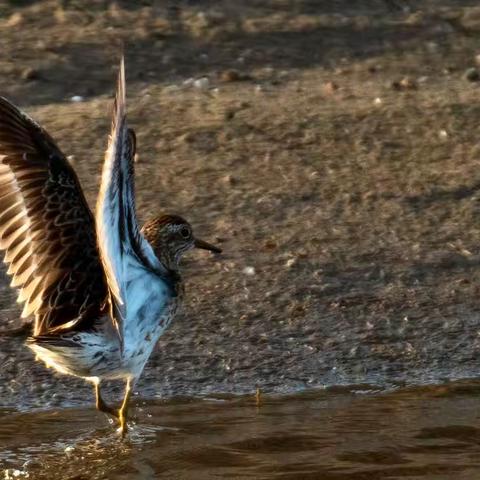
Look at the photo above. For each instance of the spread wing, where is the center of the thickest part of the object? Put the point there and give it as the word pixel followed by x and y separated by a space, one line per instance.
pixel 46 228
pixel 123 250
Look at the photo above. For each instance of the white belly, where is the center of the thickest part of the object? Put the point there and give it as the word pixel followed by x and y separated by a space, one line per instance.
pixel 147 304
pixel 139 344
pixel 99 354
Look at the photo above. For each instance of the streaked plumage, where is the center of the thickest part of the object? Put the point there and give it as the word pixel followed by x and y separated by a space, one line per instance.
pixel 44 223
pixel 102 290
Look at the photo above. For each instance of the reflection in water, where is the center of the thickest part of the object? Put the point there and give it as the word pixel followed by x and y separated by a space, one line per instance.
pixel 430 432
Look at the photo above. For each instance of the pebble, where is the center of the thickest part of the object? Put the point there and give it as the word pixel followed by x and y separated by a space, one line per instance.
pixel 230 76
pixel 229 180
pixel 77 99
pixel 15 19
pixel 202 83
pixel 29 74
pixel 290 262
pixel 330 87
pixel 234 76
pixel 443 134
pixel 249 271
pixel 270 245
pixel 408 83
pixel 405 83
pixel 170 89
pixel 472 75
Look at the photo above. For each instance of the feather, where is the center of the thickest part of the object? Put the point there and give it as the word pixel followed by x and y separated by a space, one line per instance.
pixel 37 188
pixel 121 244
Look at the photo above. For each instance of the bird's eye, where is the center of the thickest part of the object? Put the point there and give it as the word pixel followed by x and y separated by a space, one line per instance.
pixel 185 232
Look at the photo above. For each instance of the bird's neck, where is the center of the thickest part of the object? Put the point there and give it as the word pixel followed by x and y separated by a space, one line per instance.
pixel 168 260
pixel 162 250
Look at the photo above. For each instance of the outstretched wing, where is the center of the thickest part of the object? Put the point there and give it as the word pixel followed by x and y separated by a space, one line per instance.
pixel 46 228
pixel 123 249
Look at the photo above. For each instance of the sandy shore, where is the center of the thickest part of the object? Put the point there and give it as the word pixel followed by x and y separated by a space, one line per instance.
pixel 332 152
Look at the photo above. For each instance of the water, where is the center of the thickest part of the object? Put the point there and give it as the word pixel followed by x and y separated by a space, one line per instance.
pixel 357 433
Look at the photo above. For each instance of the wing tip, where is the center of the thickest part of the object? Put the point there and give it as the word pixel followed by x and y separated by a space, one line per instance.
pixel 119 105
pixel 121 88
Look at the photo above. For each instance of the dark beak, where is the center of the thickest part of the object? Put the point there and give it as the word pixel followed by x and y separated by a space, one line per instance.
pixel 206 246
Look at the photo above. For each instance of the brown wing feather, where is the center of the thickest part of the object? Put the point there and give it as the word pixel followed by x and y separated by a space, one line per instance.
pixel 46 228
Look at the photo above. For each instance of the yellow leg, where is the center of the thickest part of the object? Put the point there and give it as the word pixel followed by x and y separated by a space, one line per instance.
pixel 258 398
pixel 123 411
pixel 101 405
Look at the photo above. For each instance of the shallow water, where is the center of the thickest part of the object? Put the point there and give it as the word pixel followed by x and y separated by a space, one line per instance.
pixel 428 432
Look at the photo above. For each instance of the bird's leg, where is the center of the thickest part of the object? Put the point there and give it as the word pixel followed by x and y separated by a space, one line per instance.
pixel 102 406
pixel 123 410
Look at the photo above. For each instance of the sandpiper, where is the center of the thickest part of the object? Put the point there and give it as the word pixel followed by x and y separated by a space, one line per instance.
pixel 102 290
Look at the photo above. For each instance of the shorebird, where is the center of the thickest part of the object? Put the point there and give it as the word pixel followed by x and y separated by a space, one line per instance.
pixel 101 289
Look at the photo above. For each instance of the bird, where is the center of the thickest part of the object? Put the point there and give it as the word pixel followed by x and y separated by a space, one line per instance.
pixel 101 289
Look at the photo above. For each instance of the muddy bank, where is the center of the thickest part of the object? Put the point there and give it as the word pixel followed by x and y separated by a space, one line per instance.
pixel 332 152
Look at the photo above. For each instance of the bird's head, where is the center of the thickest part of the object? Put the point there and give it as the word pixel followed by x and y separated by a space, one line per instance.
pixel 170 237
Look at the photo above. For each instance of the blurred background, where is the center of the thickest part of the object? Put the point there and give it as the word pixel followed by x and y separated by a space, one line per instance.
pixel 330 147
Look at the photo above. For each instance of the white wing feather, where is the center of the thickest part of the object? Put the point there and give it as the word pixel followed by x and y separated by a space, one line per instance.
pixel 122 246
